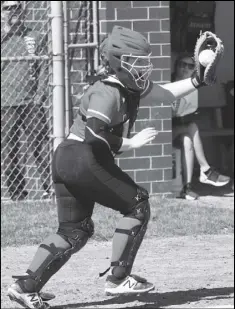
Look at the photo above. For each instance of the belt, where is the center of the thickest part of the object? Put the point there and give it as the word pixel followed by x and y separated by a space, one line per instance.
pixel 75 137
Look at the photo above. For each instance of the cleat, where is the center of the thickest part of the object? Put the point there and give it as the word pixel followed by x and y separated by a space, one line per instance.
pixel 130 285
pixel 28 300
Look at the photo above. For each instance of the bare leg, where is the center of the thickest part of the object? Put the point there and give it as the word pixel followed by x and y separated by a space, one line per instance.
pixel 198 147
pixel 187 158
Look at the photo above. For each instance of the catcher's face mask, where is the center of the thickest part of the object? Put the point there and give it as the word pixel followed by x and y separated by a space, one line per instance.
pixel 139 67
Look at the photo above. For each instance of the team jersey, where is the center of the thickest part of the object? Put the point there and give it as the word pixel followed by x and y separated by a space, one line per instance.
pixel 22 81
pixel 110 102
pixel 106 100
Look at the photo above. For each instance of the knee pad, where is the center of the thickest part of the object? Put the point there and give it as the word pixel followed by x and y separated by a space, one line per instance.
pixel 76 234
pixel 57 250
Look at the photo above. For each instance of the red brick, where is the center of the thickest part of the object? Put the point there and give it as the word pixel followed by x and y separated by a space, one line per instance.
pixel 135 163
pixel 152 175
pixel 161 62
pixel 161 187
pixel 149 151
pixel 146 25
pixel 156 50
pixel 106 14
pixel 163 137
pixel 167 174
pixel 156 75
pixel 167 149
pixel 132 13
pixel 160 113
pixel 145 3
pixel 166 50
pixel 167 125
pixel 165 25
pixel 161 162
pixel 126 154
pixel 118 4
pixel 144 113
pixel 140 125
pixel 146 185
pixel 166 75
pixel 159 13
pixel 107 27
pixel 160 37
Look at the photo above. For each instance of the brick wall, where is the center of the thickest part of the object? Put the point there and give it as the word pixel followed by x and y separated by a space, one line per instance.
pixel 150 166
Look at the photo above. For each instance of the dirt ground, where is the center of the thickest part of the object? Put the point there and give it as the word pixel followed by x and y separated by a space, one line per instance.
pixel 188 272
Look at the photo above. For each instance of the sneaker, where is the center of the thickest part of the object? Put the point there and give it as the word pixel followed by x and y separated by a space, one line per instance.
pixel 129 285
pixel 188 194
pixel 45 195
pixel 29 300
pixel 214 178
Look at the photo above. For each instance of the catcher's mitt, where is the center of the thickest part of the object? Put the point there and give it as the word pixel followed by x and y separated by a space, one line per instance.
pixel 208 40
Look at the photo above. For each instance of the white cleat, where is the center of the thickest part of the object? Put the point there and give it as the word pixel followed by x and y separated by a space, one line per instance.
pixel 26 300
pixel 130 285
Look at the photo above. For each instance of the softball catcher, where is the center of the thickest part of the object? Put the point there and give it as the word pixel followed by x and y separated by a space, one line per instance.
pixel 84 171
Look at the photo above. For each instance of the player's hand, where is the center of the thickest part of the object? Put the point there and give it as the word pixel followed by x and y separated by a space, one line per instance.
pixel 143 137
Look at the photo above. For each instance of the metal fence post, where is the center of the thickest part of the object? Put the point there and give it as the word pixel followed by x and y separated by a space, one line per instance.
pixel 58 73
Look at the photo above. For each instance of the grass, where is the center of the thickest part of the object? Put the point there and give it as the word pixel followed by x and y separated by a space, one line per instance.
pixel 28 223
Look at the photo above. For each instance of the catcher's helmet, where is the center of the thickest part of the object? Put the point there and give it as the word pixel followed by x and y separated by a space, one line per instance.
pixel 128 55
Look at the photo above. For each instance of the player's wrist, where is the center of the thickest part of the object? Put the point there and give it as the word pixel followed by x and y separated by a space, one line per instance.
pixel 127 144
pixel 197 83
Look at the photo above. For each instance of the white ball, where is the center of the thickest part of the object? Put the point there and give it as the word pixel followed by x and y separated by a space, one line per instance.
pixel 206 56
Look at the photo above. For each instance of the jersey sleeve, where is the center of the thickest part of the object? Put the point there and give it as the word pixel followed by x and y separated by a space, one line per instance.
pixel 103 104
pixel 154 94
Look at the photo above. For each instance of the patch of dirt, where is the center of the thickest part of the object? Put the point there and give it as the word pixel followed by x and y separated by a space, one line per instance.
pixel 188 272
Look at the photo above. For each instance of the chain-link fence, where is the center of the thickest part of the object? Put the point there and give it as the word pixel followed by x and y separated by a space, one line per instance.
pixel 28 87
pixel 26 108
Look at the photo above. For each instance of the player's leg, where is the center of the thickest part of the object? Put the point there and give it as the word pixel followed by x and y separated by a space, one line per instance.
pixel 116 190
pixel 75 227
pixel 208 175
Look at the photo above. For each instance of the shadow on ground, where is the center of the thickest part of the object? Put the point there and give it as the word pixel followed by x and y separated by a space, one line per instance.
pixel 208 190
pixel 160 300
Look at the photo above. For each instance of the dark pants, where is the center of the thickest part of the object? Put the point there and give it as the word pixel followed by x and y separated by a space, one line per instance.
pixel 81 179
pixel 32 121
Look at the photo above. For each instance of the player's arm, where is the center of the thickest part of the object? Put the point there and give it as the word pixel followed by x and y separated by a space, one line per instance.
pixel 101 110
pixel 180 88
pixel 97 134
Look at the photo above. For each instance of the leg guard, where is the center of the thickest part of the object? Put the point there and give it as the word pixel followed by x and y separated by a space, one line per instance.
pixel 55 252
pixel 134 226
